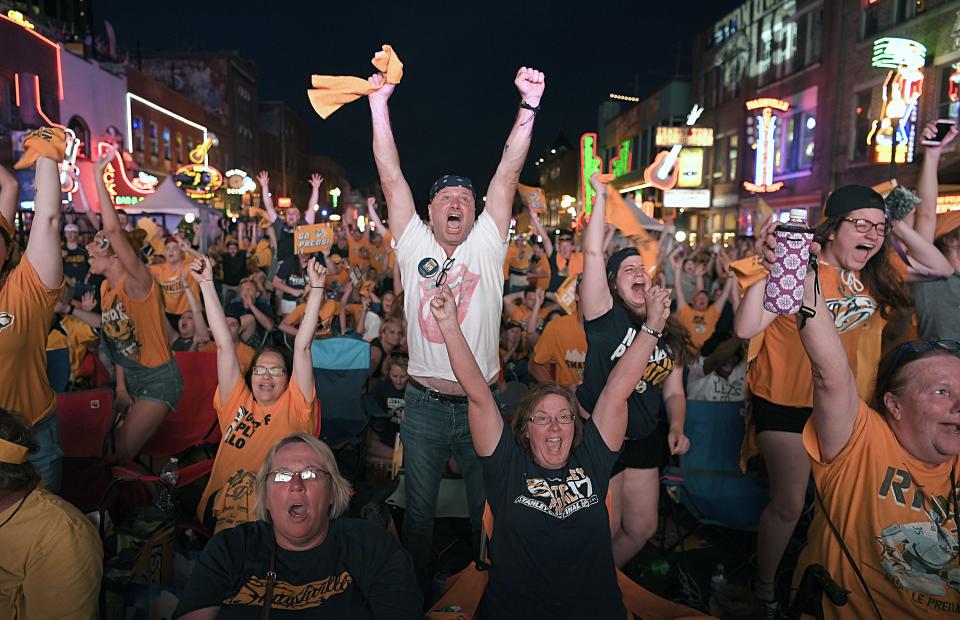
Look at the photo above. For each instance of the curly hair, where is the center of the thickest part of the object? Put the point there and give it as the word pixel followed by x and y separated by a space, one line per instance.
pixel 878 275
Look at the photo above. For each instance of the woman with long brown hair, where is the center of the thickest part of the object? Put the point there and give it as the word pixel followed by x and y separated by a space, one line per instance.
pixel 861 288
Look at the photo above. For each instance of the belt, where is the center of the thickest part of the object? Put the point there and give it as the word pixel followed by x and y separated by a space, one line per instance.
pixel 435 395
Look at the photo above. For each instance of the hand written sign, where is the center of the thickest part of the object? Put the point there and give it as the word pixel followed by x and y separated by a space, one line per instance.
pixel 312 238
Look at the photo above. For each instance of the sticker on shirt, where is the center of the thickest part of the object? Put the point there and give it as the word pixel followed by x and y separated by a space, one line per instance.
pixel 849 312
pixel 243 428
pixel 921 555
pixel 120 331
pixel 6 320
pixel 699 324
pixel 560 497
pixel 428 267
pixel 289 596
pixel 463 283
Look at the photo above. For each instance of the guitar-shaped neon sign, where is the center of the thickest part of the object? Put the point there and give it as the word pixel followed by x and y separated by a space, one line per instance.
pixel 663 172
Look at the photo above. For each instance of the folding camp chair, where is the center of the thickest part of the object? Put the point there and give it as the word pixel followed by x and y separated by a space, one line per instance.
pixel 708 481
pixel 194 421
pixel 463 591
pixel 85 422
pixel 58 369
pixel 340 369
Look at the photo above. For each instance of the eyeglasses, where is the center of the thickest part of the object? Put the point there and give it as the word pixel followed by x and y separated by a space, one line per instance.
pixel 283 476
pixel 924 346
pixel 273 371
pixel 864 226
pixel 541 419
pixel 447 264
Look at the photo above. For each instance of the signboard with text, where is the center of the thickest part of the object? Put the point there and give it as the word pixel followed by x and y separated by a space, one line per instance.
pixel 312 238
pixel 686 199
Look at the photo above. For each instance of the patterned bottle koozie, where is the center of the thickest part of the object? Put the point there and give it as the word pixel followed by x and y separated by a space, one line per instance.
pixel 784 292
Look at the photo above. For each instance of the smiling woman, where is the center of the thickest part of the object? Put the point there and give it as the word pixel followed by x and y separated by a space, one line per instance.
pixel 301 555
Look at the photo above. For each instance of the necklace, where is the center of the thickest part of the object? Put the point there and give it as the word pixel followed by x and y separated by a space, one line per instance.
pixel 17 509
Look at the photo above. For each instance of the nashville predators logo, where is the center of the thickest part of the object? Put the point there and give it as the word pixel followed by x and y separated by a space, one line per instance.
pixel 6 320
pixel 289 596
pixel 120 331
pixel 240 485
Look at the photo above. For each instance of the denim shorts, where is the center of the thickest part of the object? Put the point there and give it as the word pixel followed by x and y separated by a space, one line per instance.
pixel 162 384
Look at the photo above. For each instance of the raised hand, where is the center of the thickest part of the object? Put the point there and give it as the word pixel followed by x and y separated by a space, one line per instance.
pixel 264 178
pixel 596 182
pixel 202 269
pixel 317 273
pixel 315 181
pixel 658 307
pixel 443 307
pixel 88 302
pixel 371 202
pixel 105 159
pixel 383 88
pixel 530 83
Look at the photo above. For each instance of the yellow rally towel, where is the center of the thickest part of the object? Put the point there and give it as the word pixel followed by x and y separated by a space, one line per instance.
pixel 329 92
pixel 44 142
pixel 532 197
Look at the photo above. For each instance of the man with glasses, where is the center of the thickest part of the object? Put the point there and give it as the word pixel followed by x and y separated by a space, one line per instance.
pixel 462 245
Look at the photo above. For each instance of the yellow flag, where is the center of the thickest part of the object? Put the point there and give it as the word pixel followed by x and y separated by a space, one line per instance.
pixel 532 197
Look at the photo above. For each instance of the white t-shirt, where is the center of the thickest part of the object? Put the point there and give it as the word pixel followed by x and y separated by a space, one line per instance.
pixel 713 387
pixel 476 279
pixel 371 323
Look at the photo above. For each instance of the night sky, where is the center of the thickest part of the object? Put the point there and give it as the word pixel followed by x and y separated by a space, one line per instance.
pixel 456 103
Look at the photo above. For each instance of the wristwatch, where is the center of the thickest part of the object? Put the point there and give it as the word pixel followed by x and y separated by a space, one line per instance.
pixel 651 331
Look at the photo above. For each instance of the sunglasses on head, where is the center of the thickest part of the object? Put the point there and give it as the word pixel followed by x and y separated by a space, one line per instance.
pixel 924 346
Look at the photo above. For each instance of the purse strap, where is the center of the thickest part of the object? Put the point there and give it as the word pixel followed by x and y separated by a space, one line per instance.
pixel 271 580
pixel 846 552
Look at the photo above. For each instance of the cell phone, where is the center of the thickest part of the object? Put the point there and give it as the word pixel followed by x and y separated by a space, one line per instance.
pixel 356 275
pixel 944 125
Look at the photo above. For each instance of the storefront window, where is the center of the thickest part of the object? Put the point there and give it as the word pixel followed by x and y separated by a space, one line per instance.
pixel 949 101
pixel 154 144
pixel 863 113
pixel 137 134
pixel 166 144
pixel 732 151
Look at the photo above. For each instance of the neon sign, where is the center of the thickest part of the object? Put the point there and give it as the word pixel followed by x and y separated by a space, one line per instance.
pixel 131 98
pixel 122 190
pixel 18 18
pixel 239 182
pixel 589 163
pixel 623 162
pixel 690 166
pixel 199 180
pixel 684 136
pixel 766 131
pixel 68 186
pixel 893 135
pixel 953 91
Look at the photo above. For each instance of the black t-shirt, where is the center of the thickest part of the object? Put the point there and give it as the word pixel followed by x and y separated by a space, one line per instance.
pixel 234 268
pixel 75 263
pixel 391 400
pixel 551 554
pixel 557 276
pixel 358 571
pixel 608 337
pixel 293 275
pixel 284 239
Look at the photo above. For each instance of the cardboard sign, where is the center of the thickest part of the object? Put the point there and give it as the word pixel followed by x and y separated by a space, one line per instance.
pixel 567 295
pixel 312 238
pixel 532 197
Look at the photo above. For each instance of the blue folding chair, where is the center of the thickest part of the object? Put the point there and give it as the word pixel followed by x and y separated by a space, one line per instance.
pixel 340 369
pixel 58 369
pixel 708 481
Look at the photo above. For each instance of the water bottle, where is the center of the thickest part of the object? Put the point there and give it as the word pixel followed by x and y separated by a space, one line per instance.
pixel 718 580
pixel 169 476
pixel 784 292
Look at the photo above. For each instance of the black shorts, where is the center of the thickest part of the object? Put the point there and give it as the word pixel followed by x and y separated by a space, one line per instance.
pixel 769 416
pixel 650 452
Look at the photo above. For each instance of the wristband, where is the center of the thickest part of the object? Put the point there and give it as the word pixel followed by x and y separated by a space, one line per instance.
pixel 312 286
pixel 646 328
pixel 527 106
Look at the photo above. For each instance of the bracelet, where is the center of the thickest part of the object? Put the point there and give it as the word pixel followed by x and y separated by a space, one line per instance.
pixel 646 328
pixel 527 106
pixel 312 286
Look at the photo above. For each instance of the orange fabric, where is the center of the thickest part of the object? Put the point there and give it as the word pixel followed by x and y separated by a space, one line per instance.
pixel 249 431
pixel 171 279
pixel 26 309
pixel 892 512
pixel 135 326
pixel 328 310
pixel 700 325
pixel 79 337
pixel 563 342
pixel 574 266
pixel 517 259
pixel 947 223
pixel 44 142
pixel 380 257
pixel 330 92
pixel 781 372
pixel 618 213
pixel 245 354
pixel 359 253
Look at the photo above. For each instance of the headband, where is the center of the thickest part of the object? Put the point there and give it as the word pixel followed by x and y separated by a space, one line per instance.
pixel 12 453
pixel 614 262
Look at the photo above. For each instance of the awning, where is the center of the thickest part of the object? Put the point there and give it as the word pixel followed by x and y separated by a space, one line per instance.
pixel 168 199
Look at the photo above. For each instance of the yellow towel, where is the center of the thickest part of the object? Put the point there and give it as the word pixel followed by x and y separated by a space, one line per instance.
pixel 329 92
pixel 44 142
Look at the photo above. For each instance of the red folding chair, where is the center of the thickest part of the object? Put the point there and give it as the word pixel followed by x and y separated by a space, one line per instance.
pixel 194 421
pixel 85 422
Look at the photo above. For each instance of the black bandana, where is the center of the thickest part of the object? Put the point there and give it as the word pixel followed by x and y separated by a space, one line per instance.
pixel 451 180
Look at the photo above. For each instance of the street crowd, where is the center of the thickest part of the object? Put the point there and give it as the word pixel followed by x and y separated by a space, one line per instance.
pixel 856 396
